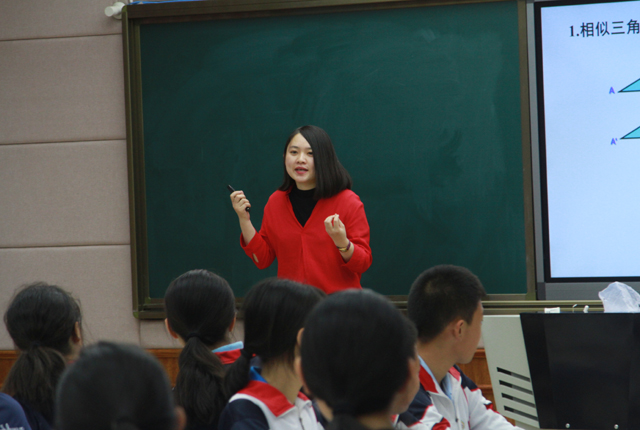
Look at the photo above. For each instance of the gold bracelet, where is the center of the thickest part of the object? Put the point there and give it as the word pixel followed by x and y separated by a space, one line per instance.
pixel 346 248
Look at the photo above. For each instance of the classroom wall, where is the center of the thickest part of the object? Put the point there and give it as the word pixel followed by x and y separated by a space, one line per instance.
pixel 64 214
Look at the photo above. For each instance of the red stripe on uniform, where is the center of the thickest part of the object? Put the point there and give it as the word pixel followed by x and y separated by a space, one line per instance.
pixel 273 399
pixel 442 425
pixel 427 382
pixel 455 373
pixel 229 357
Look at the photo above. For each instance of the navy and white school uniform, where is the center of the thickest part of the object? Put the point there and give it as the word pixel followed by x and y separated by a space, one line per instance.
pixel 12 416
pixel 38 420
pixel 227 354
pixel 260 406
pixel 456 403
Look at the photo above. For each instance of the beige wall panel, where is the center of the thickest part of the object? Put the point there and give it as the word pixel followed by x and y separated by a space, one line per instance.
pixel 100 277
pixel 62 90
pixel 35 19
pixel 153 334
pixel 64 194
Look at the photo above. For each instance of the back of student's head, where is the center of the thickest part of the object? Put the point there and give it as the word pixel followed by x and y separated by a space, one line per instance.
pixel 355 352
pixel 115 387
pixel 41 319
pixel 200 308
pixel 440 295
pixel 274 312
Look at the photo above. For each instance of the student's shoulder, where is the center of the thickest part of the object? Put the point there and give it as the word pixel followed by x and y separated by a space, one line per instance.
pixel 9 405
pixel 11 413
pixel 417 410
pixel 242 414
pixel 464 380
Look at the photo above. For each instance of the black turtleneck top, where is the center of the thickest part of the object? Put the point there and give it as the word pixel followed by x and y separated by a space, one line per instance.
pixel 302 203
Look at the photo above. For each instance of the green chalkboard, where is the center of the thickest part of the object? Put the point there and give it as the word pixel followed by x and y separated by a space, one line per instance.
pixel 422 104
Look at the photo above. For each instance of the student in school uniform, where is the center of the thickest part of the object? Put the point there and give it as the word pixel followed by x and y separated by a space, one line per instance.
pixel 270 398
pixel 201 314
pixel 115 386
pixel 445 305
pixel 12 416
pixel 358 360
pixel 44 323
pixel 313 224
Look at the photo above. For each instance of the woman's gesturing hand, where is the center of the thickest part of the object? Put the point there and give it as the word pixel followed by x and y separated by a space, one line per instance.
pixel 240 204
pixel 338 233
pixel 336 229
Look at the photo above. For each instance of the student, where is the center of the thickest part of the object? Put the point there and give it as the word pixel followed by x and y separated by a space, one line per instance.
pixel 445 305
pixel 201 314
pixel 358 359
pixel 314 224
pixel 270 398
pixel 116 387
pixel 44 322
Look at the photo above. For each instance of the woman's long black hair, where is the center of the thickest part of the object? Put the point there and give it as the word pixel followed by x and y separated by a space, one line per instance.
pixel 274 311
pixel 355 352
pixel 41 320
pixel 200 308
pixel 331 176
pixel 115 387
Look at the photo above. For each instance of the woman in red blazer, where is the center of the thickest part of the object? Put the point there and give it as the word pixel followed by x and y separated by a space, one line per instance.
pixel 313 224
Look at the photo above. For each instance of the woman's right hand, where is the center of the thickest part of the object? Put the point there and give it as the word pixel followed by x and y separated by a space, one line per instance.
pixel 240 205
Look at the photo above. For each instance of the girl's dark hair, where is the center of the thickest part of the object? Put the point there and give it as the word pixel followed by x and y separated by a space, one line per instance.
pixel 114 387
pixel 200 308
pixel 274 312
pixel 331 176
pixel 41 320
pixel 355 351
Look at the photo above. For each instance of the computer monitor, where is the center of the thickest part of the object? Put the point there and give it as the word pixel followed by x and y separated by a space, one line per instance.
pixel 585 93
pixel 567 370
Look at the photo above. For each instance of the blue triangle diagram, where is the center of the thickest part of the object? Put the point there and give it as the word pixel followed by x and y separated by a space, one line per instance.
pixel 635 134
pixel 630 88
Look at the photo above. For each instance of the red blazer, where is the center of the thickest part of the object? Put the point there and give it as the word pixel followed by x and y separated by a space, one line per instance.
pixel 307 254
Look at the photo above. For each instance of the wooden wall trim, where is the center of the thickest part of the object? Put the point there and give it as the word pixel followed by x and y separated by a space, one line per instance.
pixel 477 370
pixel 7 358
pixel 8 354
pixel 169 360
pixel 165 353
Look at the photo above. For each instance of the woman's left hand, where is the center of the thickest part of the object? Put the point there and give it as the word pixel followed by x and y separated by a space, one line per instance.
pixel 336 230
pixel 338 233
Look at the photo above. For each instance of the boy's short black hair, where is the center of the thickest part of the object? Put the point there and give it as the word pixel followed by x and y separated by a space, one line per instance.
pixel 440 295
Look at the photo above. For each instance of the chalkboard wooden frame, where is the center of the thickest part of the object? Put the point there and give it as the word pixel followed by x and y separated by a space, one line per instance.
pixel 147 307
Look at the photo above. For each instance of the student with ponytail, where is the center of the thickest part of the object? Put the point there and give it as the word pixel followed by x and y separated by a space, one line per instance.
pixel 44 322
pixel 358 359
pixel 269 398
pixel 201 314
